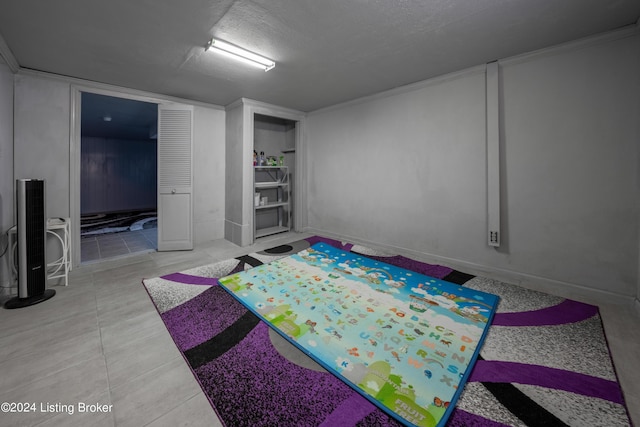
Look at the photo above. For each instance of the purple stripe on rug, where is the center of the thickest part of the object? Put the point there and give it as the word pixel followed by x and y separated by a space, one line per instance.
pixel 567 311
pixel 350 411
pixel 460 418
pixel 192 322
pixel 188 279
pixel 574 382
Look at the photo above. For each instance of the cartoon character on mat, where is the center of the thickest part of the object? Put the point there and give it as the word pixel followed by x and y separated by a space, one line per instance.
pixel 440 403
pixel 311 325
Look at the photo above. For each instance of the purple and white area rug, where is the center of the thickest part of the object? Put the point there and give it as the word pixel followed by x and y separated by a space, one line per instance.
pixel 545 361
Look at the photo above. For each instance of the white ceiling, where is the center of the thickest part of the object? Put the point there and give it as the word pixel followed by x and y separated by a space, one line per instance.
pixel 327 51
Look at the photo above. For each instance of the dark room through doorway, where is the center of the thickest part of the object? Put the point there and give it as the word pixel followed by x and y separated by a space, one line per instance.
pixel 118 177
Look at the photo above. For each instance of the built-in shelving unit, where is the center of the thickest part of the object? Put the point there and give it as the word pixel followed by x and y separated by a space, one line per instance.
pixel 272 201
pixel 254 126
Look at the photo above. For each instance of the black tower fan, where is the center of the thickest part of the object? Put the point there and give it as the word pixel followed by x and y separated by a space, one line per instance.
pixel 32 234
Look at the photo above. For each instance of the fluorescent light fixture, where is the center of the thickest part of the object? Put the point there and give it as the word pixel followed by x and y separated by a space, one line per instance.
pixel 240 54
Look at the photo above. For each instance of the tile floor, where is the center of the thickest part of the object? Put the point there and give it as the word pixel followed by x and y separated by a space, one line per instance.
pixel 99 247
pixel 101 341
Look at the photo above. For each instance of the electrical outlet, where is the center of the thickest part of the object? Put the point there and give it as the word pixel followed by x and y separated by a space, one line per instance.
pixel 494 238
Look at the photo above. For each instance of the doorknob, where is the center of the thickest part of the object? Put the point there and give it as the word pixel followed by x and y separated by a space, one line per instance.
pixel 173 191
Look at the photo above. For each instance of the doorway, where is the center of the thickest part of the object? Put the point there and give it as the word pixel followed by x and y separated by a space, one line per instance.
pixel 118 177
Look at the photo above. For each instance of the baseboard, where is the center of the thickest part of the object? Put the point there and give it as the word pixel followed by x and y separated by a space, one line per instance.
pixel 525 280
pixel 6 289
pixel 5 280
pixel 237 233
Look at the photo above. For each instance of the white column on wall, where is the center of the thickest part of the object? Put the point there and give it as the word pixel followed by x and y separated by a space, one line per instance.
pixel 6 165
pixel 493 154
pixel 237 173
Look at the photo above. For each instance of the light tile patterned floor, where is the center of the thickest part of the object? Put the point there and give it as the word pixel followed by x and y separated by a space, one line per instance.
pixel 101 340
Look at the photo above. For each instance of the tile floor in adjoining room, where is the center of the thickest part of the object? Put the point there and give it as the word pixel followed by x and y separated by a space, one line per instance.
pixel 101 341
pixel 99 247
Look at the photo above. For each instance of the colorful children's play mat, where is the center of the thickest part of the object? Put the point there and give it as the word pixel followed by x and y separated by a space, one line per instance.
pixel 403 340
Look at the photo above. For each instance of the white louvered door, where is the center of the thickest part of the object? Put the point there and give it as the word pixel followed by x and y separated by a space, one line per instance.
pixel 175 177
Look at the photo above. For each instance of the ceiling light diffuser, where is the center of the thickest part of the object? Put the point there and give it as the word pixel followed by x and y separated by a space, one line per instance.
pixel 240 54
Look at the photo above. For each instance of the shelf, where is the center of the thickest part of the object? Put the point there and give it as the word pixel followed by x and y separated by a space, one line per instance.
pixel 275 216
pixel 270 184
pixel 272 205
pixel 271 230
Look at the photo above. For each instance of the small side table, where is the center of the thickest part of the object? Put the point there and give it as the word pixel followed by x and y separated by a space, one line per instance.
pixel 60 268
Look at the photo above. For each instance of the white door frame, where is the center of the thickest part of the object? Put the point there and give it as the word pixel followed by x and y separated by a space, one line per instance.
pixel 75 151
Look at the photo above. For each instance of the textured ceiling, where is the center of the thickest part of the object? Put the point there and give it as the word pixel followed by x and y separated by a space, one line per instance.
pixel 327 51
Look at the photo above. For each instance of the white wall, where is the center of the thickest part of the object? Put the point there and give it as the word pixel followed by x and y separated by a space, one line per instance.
pixel 42 149
pixel 407 169
pixel 41 137
pixel 208 174
pixel 6 165
pixel 273 136
pixel 571 164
